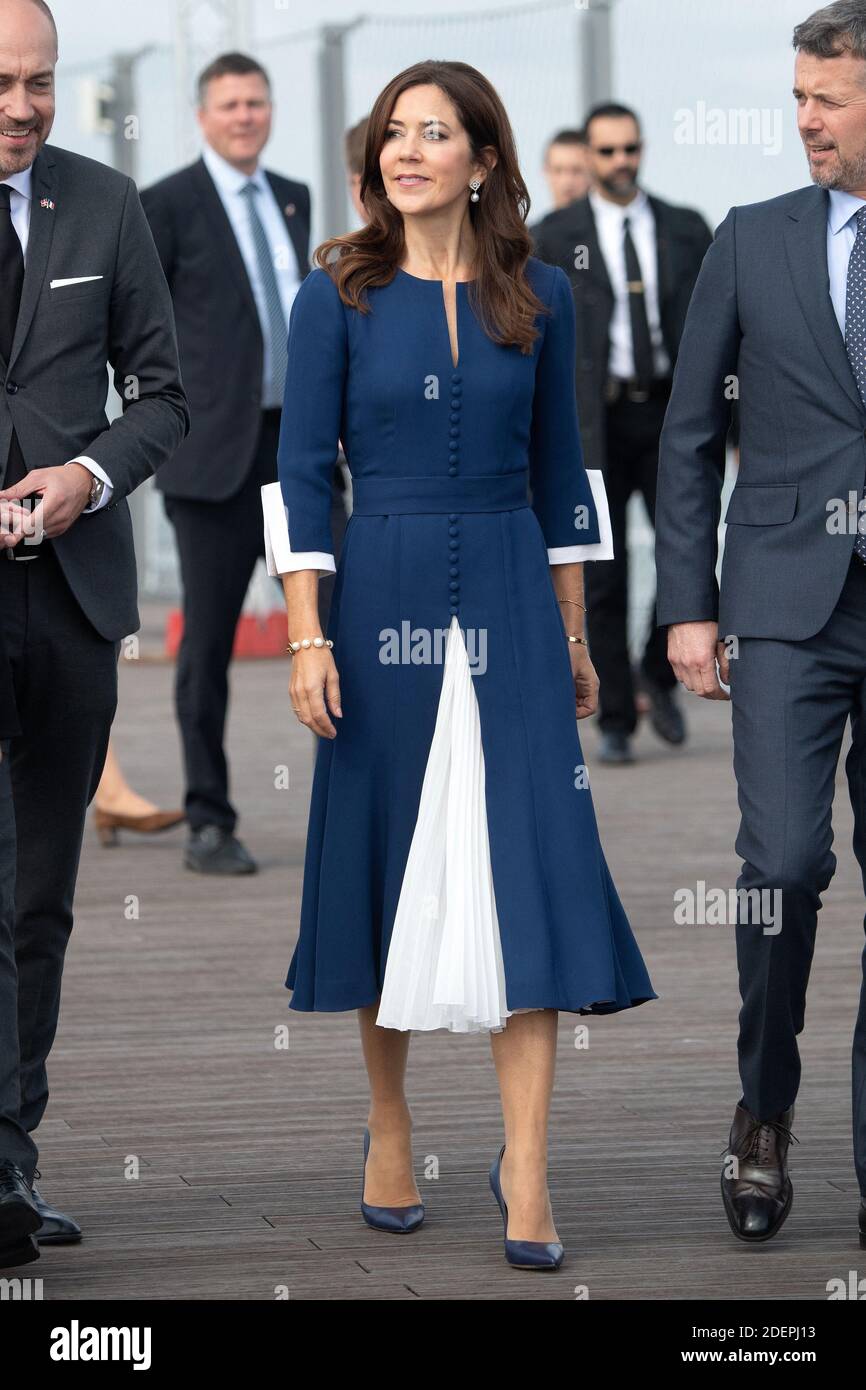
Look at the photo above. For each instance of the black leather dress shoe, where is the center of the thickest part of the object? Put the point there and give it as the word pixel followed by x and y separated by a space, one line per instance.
pixel 23 1252
pixel 862 1222
pixel 615 748
pixel 758 1194
pixel 666 716
pixel 214 850
pixel 19 1218
pixel 57 1228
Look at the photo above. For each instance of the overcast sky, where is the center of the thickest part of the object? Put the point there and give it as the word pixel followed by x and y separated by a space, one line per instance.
pixel 688 66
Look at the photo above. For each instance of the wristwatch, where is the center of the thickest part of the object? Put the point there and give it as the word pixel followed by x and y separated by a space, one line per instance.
pixel 97 487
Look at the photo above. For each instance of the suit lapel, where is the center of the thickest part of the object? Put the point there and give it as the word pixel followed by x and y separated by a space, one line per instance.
pixel 219 223
pixel 806 248
pixel 42 219
pixel 297 234
pixel 586 234
pixel 664 270
pixel 583 232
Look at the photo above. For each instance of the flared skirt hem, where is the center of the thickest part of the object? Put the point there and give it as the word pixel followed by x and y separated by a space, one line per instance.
pixel 596 1008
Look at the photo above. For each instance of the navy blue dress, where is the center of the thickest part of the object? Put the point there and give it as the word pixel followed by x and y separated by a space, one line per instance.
pixel 468 481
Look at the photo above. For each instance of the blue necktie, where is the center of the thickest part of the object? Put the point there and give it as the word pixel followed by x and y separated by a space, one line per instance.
pixel 277 329
pixel 855 339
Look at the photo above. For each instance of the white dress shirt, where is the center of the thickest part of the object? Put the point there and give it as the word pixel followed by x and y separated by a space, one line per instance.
pixel 229 182
pixel 19 202
pixel 609 218
pixel 841 232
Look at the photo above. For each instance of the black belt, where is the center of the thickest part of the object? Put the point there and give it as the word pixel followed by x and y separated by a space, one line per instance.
pixel 631 389
pixel 21 551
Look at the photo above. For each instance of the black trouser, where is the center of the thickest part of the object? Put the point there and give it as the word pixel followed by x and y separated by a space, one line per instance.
pixel 65 677
pixel 15 1143
pixel 218 544
pixel 790 705
pixel 633 430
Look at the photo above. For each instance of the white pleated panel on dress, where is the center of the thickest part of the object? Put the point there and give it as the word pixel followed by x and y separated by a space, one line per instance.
pixel 444 966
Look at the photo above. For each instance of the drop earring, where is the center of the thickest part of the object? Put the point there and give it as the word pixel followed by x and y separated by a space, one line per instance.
pixel 474 184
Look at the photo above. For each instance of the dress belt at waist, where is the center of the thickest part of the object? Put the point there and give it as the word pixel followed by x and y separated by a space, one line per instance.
pixel 490 492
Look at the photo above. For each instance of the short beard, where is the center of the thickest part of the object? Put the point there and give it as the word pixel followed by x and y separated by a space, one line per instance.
pixel 617 189
pixel 8 167
pixel 847 174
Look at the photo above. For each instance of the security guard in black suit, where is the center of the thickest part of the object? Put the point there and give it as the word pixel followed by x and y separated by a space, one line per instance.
pixel 632 260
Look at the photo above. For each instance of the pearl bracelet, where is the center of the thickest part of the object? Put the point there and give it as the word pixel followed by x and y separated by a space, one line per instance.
pixel 309 642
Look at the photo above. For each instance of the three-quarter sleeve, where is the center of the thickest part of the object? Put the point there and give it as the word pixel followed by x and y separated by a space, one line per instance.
pixel 297 508
pixel 569 501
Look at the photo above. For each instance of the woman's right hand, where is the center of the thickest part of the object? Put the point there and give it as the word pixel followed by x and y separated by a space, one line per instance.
pixel 315 680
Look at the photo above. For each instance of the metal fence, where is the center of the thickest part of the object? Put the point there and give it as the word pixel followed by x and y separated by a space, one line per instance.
pixel 548 60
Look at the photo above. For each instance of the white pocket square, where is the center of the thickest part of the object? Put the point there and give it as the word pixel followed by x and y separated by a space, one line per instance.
pixel 75 280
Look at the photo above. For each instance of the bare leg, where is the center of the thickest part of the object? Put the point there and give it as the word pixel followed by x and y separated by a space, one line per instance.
pixel 390 1181
pixel 115 794
pixel 525 1058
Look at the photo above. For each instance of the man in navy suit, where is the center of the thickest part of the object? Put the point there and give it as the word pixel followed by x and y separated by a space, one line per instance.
pixel 780 309
pixel 233 239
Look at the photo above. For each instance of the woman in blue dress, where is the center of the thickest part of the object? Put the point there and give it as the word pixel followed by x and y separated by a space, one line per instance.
pixel 453 875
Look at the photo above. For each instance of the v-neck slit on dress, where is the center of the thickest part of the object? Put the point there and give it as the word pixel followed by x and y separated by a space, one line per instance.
pixel 453 869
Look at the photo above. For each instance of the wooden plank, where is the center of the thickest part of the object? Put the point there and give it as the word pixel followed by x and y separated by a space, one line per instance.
pixel 250 1158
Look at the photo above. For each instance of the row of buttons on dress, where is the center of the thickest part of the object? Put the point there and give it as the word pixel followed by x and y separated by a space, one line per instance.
pixel 453 518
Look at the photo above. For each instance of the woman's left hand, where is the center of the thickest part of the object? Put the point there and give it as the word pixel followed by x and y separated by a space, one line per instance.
pixel 585 680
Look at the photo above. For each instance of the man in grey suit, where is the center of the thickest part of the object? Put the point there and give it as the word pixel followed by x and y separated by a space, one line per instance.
pixel 780 308
pixel 80 285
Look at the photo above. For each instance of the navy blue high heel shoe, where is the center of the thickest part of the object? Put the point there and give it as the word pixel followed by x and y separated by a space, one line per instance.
pixel 398 1220
pixel 523 1254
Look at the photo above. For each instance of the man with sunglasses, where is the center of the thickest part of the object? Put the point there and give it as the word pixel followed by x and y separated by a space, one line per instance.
pixel 632 261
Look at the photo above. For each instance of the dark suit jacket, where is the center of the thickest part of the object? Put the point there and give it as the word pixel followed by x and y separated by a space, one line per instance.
pixel 9 723
pixel 218 327
pixel 682 238
pixel 86 220
pixel 762 316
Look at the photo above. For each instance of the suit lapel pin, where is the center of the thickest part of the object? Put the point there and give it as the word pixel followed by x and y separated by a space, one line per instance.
pixel 289 209
pixel 46 203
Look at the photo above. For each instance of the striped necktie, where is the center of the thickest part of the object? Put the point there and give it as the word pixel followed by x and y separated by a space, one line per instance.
pixel 276 329
pixel 855 340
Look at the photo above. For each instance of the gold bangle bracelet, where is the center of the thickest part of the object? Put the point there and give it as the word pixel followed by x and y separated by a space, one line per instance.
pixel 574 602
pixel 577 639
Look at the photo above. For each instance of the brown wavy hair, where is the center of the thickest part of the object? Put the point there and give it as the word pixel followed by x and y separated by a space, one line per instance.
pixel 500 294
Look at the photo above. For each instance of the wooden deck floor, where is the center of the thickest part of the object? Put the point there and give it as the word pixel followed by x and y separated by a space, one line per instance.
pixel 204 1163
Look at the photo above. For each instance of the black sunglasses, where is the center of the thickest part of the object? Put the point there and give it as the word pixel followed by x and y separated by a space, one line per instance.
pixel 609 150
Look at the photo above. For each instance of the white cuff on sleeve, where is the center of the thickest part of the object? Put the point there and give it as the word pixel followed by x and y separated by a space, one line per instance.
pixel 279 556
pixel 602 549
pixel 98 472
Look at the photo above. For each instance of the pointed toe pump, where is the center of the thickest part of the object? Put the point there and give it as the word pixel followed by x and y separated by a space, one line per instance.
pixel 523 1254
pixel 398 1220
